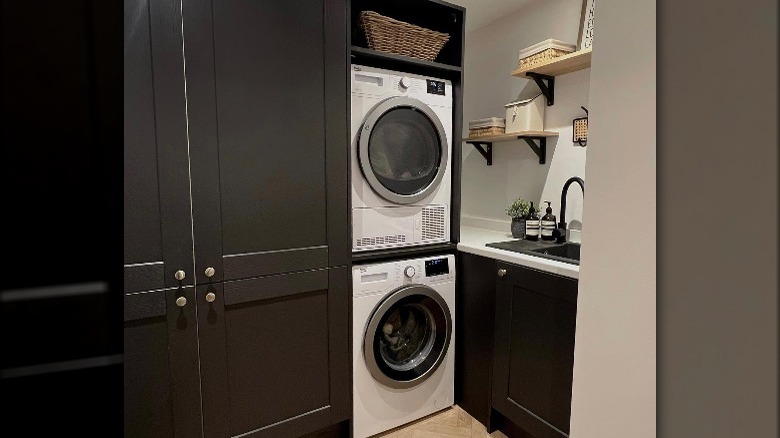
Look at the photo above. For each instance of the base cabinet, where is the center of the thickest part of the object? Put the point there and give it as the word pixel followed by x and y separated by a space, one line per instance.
pixel 265 357
pixel 533 354
pixel 515 351
pixel 162 398
pixel 476 308
pixel 274 354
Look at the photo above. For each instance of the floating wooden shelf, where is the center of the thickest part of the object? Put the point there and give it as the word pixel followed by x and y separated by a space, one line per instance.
pixel 528 136
pixel 511 136
pixel 558 66
pixel 544 74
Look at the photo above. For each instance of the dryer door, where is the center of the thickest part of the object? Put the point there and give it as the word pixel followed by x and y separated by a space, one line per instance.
pixel 403 150
pixel 407 336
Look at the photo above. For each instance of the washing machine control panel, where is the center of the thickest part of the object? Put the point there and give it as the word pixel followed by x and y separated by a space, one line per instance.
pixel 425 271
pixel 383 277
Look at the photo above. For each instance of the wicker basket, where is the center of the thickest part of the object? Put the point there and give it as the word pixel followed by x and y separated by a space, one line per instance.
pixel 388 35
pixel 543 56
pixel 580 134
pixel 486 132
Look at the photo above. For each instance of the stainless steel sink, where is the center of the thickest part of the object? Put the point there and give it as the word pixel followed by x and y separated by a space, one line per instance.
pixel 566 252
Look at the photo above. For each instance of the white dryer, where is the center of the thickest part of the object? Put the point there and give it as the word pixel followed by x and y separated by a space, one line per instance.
pixel 401 158
pixel 403 342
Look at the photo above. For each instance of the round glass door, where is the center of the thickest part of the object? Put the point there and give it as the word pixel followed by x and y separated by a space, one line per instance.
pixel 407 337
pixel 403 150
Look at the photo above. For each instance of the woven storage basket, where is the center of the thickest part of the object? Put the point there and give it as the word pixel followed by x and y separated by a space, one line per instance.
pixel 389 35
pixel 543 56
pixel 486 132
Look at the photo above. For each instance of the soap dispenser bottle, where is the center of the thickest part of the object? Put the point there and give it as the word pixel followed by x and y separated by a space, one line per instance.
pixel 532 224
pixel 548 223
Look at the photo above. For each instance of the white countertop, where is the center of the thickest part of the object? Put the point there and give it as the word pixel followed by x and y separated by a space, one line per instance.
pixel 473 240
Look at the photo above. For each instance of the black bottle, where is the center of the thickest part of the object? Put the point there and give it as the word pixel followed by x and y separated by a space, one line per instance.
pixel 548 223
pixel 532 224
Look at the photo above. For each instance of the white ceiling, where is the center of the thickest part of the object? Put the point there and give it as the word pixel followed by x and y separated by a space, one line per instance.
pixel 482 12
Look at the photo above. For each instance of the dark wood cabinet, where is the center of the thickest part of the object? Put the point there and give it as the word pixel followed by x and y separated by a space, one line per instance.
pixel 249 154
pixel 274 354
pixel 267 107
pixel 157 220
pixel 162 397
pixel 476 308
pixel 515 347
pixel 236 149
pixel 533 357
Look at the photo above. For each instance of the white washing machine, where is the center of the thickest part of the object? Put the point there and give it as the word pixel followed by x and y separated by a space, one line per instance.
pixel 403 342
pixel 401 154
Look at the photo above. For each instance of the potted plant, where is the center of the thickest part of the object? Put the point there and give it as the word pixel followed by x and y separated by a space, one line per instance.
pixel 518 211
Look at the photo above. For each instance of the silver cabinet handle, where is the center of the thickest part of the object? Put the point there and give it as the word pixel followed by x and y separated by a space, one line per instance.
pixel 210 272
pixel 180 275
pixel 501 272
pixel 181 301
pixel 210 297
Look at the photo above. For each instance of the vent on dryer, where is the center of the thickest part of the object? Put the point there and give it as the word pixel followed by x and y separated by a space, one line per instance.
pixel 433 225
pixel 380 240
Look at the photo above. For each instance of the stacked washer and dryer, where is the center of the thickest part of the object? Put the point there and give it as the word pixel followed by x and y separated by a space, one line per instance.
pixel 403 310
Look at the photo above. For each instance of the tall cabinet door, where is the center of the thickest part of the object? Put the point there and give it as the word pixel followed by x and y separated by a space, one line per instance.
pixel 161 391
pixel 275 354
pixel 267 104
pixel 157 218
pixel 533 355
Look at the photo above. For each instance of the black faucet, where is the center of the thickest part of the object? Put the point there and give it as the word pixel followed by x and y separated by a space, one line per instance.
pixel 560 235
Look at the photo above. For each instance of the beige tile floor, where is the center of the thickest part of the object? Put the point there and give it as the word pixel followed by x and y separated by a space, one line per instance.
pixel 452 422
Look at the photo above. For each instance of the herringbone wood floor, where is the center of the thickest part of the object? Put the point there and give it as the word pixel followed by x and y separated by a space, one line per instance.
pixel 452 422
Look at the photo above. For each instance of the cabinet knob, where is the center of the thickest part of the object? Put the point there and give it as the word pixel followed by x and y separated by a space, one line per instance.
pixel 501 272
pixel 210 272
pixel 180 275
pixel 181 301
pixel 210 297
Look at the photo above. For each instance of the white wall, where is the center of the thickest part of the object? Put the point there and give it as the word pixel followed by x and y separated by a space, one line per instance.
pixel 615 347
pixel 491 54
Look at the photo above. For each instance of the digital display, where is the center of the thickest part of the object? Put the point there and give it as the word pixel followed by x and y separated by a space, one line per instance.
pixel 436 267
pixel 435 87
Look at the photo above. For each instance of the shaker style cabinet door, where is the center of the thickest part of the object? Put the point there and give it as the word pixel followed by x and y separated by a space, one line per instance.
pixel 534 349
pixel 161 391
pixel 266 99
pixel 157 218
pixel 274 354
pixel 476 307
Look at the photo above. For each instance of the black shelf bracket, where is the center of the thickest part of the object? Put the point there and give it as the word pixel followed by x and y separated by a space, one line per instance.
pixel 548 89
pixel 541 150
pixel 487 152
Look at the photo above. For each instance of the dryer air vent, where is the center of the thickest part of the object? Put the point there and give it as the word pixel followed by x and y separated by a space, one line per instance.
pixel 433 225
pixel 380 240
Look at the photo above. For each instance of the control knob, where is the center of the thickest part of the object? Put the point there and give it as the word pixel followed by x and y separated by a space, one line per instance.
pixel 409 271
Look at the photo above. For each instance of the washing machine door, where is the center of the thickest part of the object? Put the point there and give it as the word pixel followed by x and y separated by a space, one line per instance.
pixel 402 150
pixel 407 336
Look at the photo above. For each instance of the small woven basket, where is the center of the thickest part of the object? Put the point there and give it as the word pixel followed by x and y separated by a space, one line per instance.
pixel 486 131
pixel 389 35
pixel 543 56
